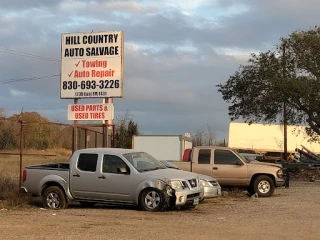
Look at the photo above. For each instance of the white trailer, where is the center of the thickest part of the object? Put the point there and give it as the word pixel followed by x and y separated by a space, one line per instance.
pixel 162 147
pixel 268 138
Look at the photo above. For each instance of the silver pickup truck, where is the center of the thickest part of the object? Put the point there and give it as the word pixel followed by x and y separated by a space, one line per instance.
pixel 117 176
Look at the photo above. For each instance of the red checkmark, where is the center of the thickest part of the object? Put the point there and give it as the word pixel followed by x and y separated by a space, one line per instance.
pixel 70 74
pixel 77 64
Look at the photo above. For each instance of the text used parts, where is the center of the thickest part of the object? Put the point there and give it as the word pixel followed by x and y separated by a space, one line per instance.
pixel 92 65
pixel 91 111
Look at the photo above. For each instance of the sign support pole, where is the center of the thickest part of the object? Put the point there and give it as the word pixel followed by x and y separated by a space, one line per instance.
pixel 109 125
pixel 75 131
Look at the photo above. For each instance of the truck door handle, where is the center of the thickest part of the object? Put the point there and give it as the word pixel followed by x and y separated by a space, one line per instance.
pixel 76 175
pixel 214 168
pixel 102 177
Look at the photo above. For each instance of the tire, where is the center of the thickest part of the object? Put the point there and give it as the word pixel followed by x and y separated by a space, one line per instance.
pixel 152 200
pixel 87 204
pixel 54 198
pixel 263 185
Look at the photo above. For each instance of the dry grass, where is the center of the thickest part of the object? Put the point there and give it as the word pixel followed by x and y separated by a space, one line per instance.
pixel 10 164
pixel 9 193
pixel 235 193
pixel 10 169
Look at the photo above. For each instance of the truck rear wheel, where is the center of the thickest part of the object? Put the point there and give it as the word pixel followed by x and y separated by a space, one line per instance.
pixel 54 198
pixel 263 185
pixel 152 200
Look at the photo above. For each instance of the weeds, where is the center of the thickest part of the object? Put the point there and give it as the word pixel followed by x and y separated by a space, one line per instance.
pixel 9 193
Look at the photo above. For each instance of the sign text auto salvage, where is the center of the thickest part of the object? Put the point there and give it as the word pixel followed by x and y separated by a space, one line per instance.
pixel 92 65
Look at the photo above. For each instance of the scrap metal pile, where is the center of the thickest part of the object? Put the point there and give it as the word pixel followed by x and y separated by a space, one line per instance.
pixel 303 165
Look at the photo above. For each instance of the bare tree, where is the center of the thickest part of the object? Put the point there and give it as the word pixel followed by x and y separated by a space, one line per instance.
pixel 125 128
pixel 210 136
pixel 204 138
pixel 198 139
pixel 1 112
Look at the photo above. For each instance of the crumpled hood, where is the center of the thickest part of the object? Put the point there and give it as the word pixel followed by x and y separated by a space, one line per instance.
pixel 172 174
pixel 265 164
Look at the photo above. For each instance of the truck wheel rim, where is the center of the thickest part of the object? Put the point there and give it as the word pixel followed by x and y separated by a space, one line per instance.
pixel 152 199
pixel 53 200
pixel 264 186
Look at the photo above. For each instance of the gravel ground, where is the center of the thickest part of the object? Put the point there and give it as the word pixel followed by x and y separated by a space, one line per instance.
pixel 292 213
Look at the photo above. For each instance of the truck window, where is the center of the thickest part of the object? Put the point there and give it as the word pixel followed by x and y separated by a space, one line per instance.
pixel 112 164
pixel 87 162
pixel 204 156
pixel 225 157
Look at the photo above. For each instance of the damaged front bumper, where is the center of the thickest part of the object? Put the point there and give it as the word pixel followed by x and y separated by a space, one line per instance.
pixel 185 197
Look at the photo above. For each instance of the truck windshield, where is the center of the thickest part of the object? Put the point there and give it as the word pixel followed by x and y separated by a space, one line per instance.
pixel 242 157
pixel 143 161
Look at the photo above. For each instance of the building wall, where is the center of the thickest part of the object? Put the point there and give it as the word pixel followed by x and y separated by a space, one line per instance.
pixel 268 137
pixel 162 147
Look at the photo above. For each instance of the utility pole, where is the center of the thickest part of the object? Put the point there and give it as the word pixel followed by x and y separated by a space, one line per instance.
pixel 285 150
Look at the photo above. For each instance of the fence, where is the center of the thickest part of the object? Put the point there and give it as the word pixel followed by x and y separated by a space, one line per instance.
pixel 24 143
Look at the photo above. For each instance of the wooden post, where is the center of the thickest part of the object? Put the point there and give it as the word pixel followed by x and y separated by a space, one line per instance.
pixel 75 131
pixel 21 152
pixel 285 150
pixel 95 139
pixel 85 138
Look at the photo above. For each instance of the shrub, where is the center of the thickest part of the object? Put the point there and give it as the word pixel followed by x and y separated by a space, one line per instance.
pixel 9 193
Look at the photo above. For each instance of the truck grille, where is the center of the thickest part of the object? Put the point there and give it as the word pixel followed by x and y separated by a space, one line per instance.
pixel 193 183
pixel 193 195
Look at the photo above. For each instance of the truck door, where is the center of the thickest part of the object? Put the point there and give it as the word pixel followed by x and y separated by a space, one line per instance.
pixel 228 168
pixel 116 181
pixel 83 175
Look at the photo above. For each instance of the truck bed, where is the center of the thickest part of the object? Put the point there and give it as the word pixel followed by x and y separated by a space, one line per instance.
pixel 53 166
pixel 37 175
pixel 186 166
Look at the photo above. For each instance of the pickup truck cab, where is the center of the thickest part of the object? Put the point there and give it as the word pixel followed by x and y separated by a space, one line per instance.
pixel 233 170
pixel 110 175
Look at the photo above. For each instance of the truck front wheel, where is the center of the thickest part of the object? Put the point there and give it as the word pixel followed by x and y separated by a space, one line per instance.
pixel 263 185
pixel 54 198
pixel 152 200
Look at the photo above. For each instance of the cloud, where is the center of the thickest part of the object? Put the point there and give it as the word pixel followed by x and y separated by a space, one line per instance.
pixel 176 52
pixel 16 93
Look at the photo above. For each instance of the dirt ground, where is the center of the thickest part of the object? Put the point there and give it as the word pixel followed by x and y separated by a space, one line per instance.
pixel 292 213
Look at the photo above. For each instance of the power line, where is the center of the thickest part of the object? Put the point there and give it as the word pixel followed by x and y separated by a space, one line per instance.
pixel 24 54
pixel 28 79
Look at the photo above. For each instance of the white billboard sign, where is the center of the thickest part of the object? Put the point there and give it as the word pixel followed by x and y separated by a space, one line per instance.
pixel 91 111
pixel 92 65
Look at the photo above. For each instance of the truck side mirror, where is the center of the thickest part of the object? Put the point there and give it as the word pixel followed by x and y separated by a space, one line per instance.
pixel 239 163
pixel 123 170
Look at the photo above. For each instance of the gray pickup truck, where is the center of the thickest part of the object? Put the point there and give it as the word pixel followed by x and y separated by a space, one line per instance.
pixel 117 176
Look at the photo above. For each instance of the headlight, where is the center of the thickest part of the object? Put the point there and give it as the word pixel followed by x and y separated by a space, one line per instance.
pixel 214 183
pixel 176 185
pixel 205 183
pixel 280 173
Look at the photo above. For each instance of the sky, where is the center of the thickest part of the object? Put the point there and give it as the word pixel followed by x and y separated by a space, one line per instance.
pixel 176 52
